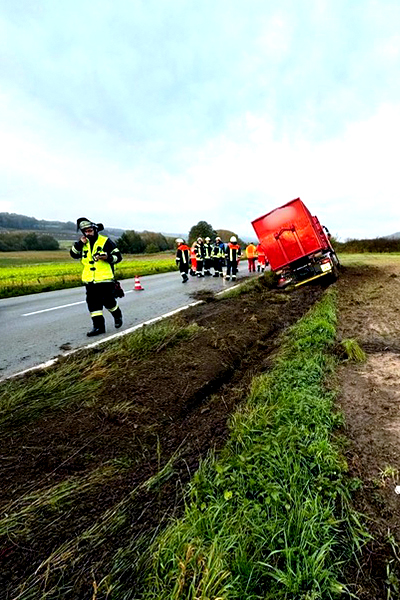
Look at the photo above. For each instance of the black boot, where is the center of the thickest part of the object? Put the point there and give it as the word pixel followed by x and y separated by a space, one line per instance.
pixel 117 314
pixel 99 326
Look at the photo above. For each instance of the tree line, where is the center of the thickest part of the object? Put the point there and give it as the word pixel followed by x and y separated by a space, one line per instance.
pixel 14 221
pixel 376 245
pixel 146 242
pixel 16 242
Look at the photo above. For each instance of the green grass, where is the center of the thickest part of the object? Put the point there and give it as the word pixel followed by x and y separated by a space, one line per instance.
pixel 24 273
pixel 270 518
pixel 368 259
pixel 25 518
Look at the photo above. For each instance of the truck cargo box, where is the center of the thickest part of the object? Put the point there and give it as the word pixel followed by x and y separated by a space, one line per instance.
pixel 289 233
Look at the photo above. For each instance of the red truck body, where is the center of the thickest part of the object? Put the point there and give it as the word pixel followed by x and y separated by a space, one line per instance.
pixel 295 242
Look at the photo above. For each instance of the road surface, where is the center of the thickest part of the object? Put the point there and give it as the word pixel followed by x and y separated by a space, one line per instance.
pixel 39 327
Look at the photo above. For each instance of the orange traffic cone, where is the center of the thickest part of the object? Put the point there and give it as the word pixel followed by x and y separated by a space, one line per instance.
pixel 138 285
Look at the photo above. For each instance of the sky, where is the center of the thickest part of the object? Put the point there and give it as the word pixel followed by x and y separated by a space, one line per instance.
pixel 156 114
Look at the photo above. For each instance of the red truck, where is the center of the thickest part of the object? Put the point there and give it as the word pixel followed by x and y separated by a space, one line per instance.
pixel 296 245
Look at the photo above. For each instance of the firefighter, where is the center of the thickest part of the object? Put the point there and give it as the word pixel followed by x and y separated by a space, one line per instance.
pixel 251 253
pixel 182 258
pixel 193 260
pixel 218 255
pixel 200 253
pixel 232 253
pixel 260 258
pixel 98 255
pixel 207 256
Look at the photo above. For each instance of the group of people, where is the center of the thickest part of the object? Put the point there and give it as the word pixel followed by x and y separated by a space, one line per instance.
pixel 99 254
pixel 204 255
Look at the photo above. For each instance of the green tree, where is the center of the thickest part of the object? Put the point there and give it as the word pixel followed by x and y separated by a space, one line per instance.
pixel 47 242
pixel 156 239
pixel 151 248
pixel 202 229
pixel 131 242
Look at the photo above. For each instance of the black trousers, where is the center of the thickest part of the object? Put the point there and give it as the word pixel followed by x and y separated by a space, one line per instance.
pixel 100 295
pixel 217 263
pixel 208 263
pixel 231 267
pixel 184 268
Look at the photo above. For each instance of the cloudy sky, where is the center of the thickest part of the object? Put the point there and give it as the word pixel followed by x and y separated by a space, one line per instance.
pixel 155 114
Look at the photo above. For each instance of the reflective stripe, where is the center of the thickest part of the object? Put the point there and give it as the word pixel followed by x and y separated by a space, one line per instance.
pixel 96 313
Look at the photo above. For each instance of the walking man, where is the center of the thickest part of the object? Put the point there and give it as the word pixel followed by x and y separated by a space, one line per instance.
pixel 98 255
pixel 182 258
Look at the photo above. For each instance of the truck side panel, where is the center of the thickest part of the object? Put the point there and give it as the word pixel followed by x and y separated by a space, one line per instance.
pixel 288 234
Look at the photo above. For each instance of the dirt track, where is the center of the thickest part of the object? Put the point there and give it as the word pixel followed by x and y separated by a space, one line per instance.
pixel 370 399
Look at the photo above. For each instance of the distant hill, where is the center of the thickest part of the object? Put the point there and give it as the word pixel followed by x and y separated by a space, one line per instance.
pixel 393 236
pixel 61 230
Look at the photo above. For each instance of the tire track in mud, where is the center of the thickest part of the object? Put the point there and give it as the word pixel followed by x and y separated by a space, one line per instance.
pixel 182 400
pixel 369 311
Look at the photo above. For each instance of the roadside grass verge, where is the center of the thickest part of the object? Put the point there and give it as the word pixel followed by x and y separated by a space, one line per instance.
pixel 271 517
pixel 81 376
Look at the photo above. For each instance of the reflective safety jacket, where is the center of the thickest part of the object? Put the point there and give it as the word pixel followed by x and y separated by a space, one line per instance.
pixel 182 255
pixel 233 252
pixel 218 250
pixel 96 270
pixel 207 250
pixel 251 251
pixel 261 254
pixel 199 250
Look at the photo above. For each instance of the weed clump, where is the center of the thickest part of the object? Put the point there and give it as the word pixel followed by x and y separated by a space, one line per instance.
pixel 353 350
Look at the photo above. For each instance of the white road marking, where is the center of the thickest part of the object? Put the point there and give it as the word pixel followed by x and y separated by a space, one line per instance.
pixel 37 312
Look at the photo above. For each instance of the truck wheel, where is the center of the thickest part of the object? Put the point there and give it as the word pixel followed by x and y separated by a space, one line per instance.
pixel 335 273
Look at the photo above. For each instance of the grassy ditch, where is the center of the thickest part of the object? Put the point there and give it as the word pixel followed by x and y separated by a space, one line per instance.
pixel 76 378
pixel 271 517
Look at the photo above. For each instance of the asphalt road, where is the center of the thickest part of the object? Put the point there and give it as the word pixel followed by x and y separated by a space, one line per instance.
pixel 39 327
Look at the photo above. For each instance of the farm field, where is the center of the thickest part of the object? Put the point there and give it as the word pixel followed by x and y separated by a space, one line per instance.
pixel 97 454
pixel 30 272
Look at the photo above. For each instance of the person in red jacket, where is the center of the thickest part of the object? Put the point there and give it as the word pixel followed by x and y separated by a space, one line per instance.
pixel 182 258
pixel 232 253
pixel 260 258
pixel 193 260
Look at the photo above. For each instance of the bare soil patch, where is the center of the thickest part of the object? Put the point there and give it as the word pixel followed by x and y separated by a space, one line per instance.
pixel 179 403
pixel 370 400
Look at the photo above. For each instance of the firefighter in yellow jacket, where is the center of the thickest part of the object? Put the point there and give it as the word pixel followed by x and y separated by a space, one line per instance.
pixel 98 255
